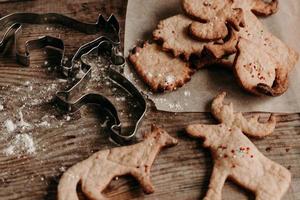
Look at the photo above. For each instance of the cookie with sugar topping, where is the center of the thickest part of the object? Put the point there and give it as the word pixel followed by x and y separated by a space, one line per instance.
pixel 158 69
pixel 236 157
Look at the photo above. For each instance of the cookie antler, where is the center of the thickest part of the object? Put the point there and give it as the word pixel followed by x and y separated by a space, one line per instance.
pixel 252 127
pixel 260 7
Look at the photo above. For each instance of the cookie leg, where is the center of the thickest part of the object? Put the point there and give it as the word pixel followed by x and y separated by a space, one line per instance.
pixel 91 190
pixel 216 184
pixel 265 196
pixel 144 179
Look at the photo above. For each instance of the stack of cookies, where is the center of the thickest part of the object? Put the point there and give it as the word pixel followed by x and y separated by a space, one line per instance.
pixel 223 32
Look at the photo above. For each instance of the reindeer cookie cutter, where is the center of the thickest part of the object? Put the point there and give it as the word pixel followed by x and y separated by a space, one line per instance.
pixel 107 43
pixel 99 46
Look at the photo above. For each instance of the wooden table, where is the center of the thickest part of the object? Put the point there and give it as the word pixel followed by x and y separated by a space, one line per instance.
pixel 181 172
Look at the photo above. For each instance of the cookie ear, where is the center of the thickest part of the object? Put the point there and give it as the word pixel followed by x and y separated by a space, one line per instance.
pixel 263 8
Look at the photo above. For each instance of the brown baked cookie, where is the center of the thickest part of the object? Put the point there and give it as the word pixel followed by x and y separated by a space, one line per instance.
pixel 255 32
pixel 207 61
pixel 96 172
pixel 258 7
pixel 267 43
pixel 237 158
pixel 173 32
pixel 254 67
pixel 227 48
pixel 213 15
pixel 158 69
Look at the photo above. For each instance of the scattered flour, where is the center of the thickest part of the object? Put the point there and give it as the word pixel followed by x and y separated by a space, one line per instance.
pixel 22 122
pixel 10 126
pixel 187 93
pixel 44 124
pixel 22 143
pixel 68 118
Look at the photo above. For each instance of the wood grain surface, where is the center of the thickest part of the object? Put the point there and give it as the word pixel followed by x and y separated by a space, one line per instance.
pixel 181 172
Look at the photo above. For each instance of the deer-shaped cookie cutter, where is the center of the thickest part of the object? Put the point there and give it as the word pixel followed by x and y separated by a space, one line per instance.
pixel 103 46
pixel 107 43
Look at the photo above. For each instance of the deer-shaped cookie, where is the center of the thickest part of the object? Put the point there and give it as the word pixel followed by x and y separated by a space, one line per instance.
pixel 237 158
pixel 255 73
pixel 96 172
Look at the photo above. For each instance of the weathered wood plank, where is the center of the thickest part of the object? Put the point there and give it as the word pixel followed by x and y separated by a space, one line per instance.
pixel 181 172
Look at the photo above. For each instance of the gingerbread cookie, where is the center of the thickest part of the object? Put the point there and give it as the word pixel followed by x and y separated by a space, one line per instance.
pixel 158 69
pixel 173 32
pixel 255 32
pixel 237 158
pixel 214 14
pixel 266 43
pixel 96 172
pixel 255 68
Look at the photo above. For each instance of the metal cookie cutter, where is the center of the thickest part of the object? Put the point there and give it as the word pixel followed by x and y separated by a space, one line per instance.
pixel 99 46
pixel 13 24
pixel 108 44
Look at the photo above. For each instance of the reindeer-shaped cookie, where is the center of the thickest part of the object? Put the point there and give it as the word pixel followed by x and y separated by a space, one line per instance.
pixel 96 172
pixel 237 158
pixel 255 73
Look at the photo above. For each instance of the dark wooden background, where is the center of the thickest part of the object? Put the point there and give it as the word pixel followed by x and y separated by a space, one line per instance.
pixel 181 172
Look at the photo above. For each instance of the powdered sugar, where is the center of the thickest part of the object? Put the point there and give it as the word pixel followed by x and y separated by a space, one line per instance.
pixel 22 124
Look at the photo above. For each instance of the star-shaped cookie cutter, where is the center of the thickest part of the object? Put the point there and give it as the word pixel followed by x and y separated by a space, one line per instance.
pixel 108 43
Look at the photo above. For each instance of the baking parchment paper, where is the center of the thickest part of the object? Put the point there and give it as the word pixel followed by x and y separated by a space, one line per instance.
pixel 142 18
